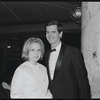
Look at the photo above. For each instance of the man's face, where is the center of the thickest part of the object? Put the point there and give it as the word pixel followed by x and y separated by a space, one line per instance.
pixel 52 34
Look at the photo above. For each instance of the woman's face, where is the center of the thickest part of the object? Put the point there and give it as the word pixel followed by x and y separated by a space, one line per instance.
pixel 35 52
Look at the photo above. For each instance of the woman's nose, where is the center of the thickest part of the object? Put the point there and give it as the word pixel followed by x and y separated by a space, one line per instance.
pixel 36 52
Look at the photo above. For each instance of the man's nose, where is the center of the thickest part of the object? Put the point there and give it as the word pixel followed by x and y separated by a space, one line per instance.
pixel 50 34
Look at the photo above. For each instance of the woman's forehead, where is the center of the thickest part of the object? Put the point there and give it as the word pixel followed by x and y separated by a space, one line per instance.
pixel 35 45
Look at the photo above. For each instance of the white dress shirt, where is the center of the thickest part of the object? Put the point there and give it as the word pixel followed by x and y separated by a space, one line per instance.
pixel 30 82
pixel 53 59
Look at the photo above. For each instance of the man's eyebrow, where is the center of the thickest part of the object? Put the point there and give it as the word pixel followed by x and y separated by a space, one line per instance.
pixel 52 31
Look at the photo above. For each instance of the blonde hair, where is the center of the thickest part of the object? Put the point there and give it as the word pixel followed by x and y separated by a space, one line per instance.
pixel 28 44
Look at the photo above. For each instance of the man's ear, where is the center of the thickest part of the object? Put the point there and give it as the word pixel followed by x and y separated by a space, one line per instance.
pixel 61 33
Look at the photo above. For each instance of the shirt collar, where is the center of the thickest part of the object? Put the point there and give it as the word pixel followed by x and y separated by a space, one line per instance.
pixel 58 47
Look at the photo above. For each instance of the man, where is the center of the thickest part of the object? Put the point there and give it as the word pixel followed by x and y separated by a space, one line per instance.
pixel 65 66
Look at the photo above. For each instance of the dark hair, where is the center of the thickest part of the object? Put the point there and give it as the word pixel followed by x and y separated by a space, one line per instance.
pixel 55 22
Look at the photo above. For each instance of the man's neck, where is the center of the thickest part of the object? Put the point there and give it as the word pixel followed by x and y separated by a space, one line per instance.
pixel 55 45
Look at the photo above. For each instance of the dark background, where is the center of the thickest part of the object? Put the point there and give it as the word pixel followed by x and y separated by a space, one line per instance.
pixel 19 20
pixel 10 58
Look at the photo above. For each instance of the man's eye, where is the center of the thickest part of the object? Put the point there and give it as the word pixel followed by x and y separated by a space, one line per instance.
pixel 39 50
pixel 47 32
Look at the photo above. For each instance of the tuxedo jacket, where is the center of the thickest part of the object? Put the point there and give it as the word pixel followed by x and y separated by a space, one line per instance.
pixel 70 77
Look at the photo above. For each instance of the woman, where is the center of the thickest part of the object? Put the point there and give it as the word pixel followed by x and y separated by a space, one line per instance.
pixel 30 79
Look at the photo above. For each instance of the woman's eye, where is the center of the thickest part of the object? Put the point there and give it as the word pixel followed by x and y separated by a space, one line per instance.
pixel 53 32
pixel 32 50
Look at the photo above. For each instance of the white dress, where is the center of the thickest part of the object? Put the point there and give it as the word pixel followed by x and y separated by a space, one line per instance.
pixel 30 82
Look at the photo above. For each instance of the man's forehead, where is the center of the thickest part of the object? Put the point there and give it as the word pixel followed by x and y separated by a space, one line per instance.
pixel 51 27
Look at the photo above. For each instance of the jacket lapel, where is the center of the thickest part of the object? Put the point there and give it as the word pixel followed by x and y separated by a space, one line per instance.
pixel 47 61
pixel 59 60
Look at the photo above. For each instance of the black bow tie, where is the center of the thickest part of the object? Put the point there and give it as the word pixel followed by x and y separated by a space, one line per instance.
pixel 52 50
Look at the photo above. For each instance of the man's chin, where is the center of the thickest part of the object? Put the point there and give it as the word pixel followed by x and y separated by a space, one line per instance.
pixel 51 42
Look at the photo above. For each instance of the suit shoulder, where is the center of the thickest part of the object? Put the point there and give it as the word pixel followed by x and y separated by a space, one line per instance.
pixel 71 48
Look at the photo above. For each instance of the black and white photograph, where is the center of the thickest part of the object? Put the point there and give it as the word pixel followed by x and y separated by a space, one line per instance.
pixel 49 50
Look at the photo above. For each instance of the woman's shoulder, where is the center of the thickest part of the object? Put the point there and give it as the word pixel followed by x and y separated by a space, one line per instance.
pixel 19 72
pixel 42 66
pixel 21 67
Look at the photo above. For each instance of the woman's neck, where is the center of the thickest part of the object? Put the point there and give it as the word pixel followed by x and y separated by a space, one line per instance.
pixel 33 63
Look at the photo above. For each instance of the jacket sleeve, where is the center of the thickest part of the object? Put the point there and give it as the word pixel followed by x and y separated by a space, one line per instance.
pixel 81 75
